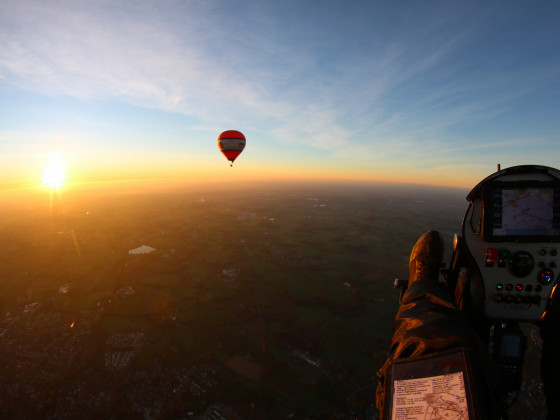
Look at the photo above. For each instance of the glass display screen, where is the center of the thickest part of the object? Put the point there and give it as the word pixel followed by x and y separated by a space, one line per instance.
pixel 530 212
pixel 511 346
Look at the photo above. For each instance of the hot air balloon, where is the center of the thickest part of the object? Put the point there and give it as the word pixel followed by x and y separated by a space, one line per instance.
pixel 231 144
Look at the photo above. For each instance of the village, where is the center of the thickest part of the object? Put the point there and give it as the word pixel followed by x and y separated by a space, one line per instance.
pixel 67 363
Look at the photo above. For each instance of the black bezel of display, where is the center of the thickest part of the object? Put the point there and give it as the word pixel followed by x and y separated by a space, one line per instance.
pixel 492 193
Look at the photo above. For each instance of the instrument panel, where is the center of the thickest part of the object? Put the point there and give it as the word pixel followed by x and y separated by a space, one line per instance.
pixel 512 233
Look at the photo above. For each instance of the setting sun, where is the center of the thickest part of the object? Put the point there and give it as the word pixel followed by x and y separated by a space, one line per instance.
pixel 54 174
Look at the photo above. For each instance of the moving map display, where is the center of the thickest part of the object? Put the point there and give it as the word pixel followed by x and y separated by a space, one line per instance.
pixel 525 212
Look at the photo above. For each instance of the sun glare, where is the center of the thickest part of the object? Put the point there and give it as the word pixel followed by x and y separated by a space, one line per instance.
pixel 53 175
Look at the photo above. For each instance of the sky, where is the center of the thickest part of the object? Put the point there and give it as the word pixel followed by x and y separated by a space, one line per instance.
pixel 427 92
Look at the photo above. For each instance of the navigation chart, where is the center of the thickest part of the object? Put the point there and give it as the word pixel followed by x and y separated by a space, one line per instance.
pixel 440 397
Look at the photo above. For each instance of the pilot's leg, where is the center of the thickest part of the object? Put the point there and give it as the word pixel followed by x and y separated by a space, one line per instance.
pixel 428 322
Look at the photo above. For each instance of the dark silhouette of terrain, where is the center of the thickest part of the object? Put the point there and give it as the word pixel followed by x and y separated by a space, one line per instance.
pixel 257 301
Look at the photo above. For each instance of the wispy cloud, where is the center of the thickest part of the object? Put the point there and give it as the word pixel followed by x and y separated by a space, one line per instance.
pixel 135 53
pixel 357 81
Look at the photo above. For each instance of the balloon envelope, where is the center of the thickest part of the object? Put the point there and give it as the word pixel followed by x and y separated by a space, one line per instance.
pixel 231 144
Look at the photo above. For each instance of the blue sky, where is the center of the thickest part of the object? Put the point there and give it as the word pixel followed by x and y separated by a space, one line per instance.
pixel 432 92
